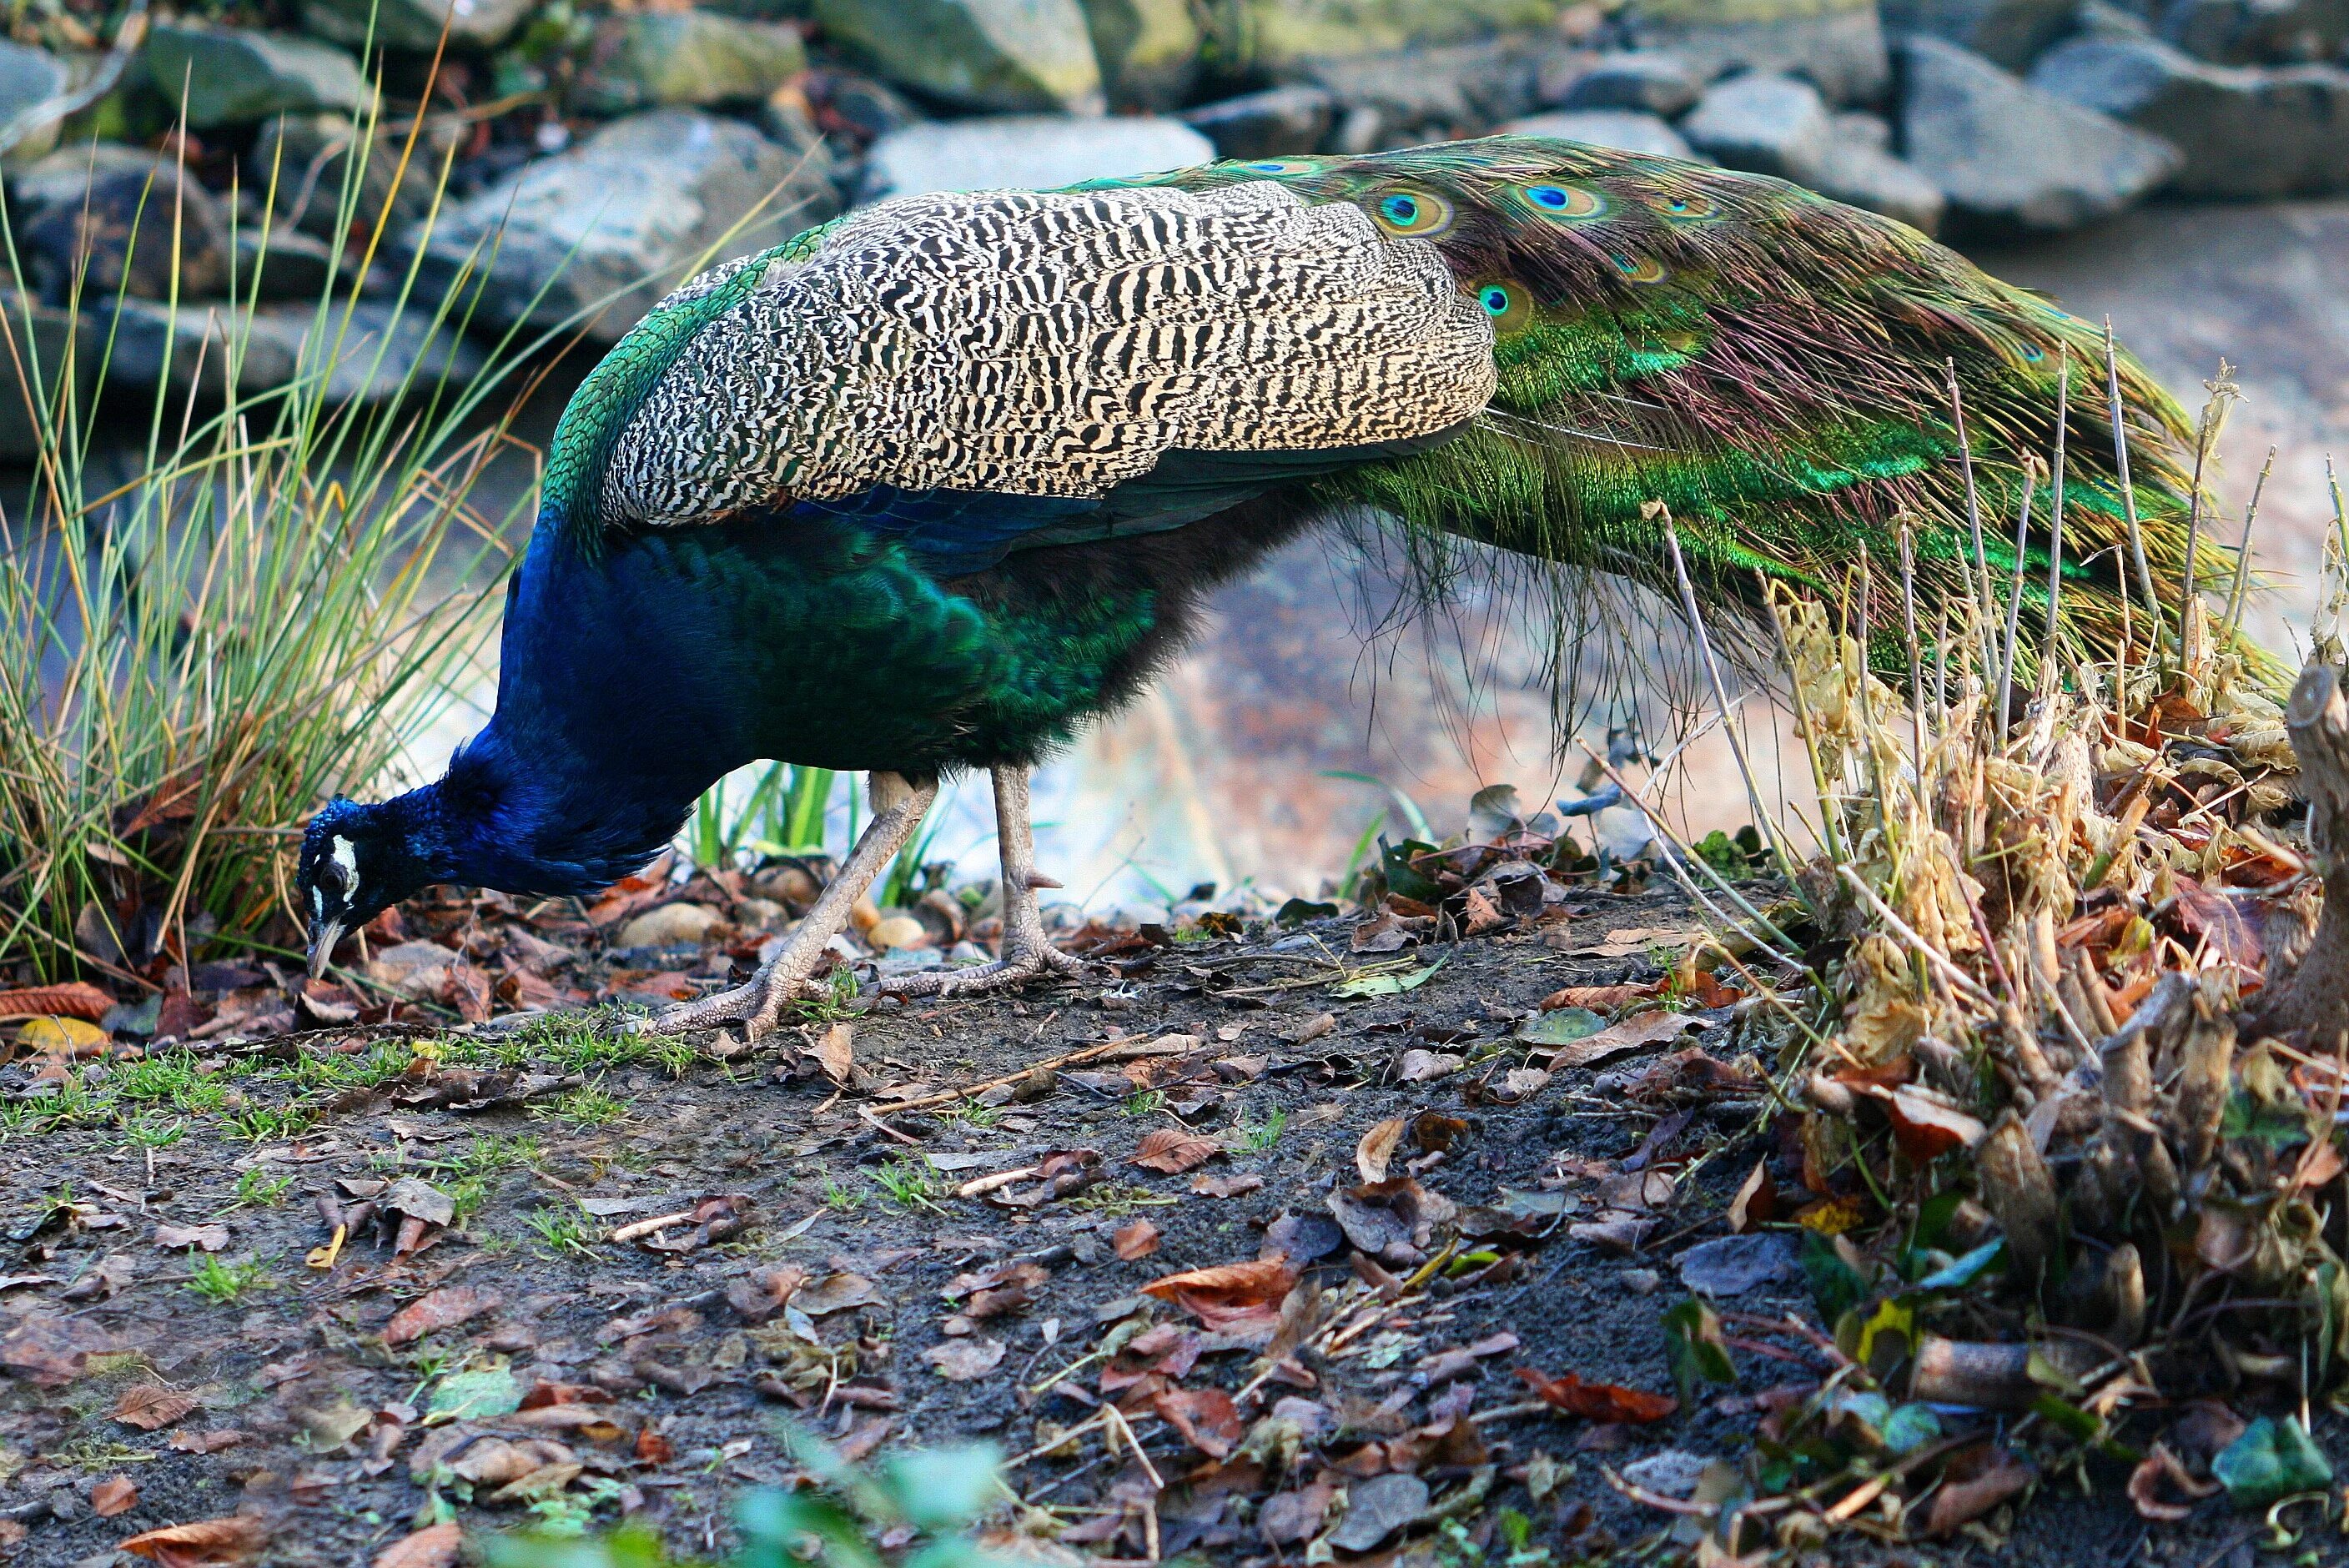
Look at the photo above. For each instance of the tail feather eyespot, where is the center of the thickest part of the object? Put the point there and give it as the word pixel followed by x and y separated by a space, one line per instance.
pixel 1566 204
pixel 1410 212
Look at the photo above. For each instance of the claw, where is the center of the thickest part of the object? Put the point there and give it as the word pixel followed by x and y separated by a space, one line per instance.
pixel 1013 969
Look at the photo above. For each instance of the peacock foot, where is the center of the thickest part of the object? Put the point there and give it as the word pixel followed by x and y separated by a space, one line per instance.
pixel 757 1004
pixel 1020 962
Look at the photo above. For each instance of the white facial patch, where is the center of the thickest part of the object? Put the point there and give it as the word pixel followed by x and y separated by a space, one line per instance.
pixel 346 855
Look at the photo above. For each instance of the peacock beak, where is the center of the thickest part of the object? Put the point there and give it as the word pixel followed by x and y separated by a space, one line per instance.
pixel 323 936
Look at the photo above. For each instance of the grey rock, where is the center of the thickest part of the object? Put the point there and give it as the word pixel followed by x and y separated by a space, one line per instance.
pixel 220 76
pixel 1839 45
pixel 2008 32
pixel 647 59
pixel 124 232
pixel 2008 154
pixel 1864 175
pixel 1767 123
pixel 622 213
pixel 1014 54
pixel 2254 32
pixel 1439 91
pixel 1148 51
pixel 33 99
pixel 1866 129
pixel 415 24
pixel 1736 1265
pixel 62 176
pixel 1025 152
pixel 1654 82
pixel 302 158
pixel 1622 130
pixel 1267 124
pixel 1377 1508
pixel 2243 132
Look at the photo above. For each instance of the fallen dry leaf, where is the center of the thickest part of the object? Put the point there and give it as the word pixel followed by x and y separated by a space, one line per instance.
pixel 1377 1148
pixel 1631 1035
pixel 1206 1418
pixel 836 1293
pixel 1973 1485
pixel 1598 1401
pixel 1756 1201
pixel 114 1496
pixel 75 999
pixel 435 1546
pixel 1229 1295
pixel 150 1407
pixel 963 1360
pixel 436 1310
pixel 234 1540
pixel 48 1352
pixel 1138 1240
pixel 836 1053
pixel 209 1442
pixel 209 1238
pixel 1173 1151
pixel 1208 1186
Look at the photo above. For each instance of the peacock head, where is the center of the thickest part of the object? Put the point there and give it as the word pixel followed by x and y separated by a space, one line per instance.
pixel 357 861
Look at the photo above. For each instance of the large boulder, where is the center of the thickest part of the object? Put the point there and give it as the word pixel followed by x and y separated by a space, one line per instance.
pixel 1011 54
pixel 1626 130
pixel 1268 124
pixel 2008 155
pixel 1148 50
pixel 415 24
pixel 33 99
pixel 2243 132
pixel 1839 45
pixel 1025 152
pixel 225 75
pixel 302 159
pixel 2009 33
pixel 150 233
pixel 1767 123
pixel 1858 170
pixel 2256 32
pixel 603 230
pixel 647 59
pixel 1283 36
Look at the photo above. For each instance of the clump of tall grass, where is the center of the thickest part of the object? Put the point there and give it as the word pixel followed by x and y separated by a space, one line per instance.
pixel 270 597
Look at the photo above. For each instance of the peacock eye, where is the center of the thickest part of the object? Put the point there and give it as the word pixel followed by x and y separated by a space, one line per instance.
pixel 1508 304
pixel 1638 269
pixel 1564 202
pixel 1416 213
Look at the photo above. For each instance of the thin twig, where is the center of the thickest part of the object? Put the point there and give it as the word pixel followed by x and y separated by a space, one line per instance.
pixel 2015 602
pixel 2233 623
pixel 2055 519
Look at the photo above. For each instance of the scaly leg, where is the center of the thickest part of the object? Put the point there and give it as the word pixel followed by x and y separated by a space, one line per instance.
pixel 1026 954
pixel 898 804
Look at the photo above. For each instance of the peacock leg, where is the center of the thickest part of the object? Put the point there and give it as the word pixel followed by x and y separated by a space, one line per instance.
pixel 1026 954
pixel 898 804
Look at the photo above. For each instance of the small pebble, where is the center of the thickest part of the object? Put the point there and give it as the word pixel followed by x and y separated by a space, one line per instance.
pixel 1642 1282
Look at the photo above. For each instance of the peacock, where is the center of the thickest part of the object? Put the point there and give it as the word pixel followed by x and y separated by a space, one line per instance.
pixel 924 489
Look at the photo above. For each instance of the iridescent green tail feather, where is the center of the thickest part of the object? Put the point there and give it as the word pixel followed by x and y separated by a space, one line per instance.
pixel 1773 366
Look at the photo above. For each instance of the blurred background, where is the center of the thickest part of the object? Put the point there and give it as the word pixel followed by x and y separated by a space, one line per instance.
pixel 2171 164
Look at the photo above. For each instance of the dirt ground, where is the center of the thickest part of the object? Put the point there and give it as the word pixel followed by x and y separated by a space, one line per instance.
pixel 334 1399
